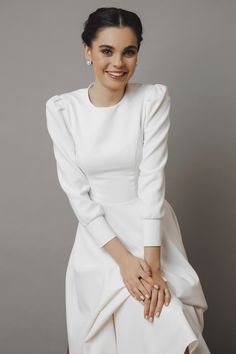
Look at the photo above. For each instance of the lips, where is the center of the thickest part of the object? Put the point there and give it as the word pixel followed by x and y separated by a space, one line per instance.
pixel 116 74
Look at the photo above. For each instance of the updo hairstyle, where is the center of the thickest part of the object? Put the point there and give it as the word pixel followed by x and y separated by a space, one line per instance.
pixel 110 17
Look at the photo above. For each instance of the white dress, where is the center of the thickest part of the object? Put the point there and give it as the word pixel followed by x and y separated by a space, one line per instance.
pixel 111 165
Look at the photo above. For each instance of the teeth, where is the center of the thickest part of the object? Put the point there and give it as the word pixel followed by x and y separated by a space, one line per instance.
pixel 116 74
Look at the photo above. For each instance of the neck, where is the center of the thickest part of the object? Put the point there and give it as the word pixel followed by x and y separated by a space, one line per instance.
pixel 102 96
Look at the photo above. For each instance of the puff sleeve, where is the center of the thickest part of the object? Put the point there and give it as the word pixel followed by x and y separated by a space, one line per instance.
pixel 151 183
pixel 71 178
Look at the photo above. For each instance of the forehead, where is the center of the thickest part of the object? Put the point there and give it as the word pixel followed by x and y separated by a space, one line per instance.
pixel 116 36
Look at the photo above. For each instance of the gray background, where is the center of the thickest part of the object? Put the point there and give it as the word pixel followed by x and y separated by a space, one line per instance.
pixel 189 46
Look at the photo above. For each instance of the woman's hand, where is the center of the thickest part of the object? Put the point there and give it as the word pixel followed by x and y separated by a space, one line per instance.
pixel 132 269
pixel 153 306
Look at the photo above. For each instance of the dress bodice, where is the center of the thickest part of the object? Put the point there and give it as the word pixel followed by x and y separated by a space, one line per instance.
pixel 112 154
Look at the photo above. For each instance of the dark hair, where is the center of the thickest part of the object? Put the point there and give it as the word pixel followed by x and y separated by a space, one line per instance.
pixel 110 17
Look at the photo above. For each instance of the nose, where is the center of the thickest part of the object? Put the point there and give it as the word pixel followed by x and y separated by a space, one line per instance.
pixel 117 61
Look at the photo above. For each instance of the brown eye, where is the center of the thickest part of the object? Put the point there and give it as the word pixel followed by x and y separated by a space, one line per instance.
pixel 106 51
pixel 130 52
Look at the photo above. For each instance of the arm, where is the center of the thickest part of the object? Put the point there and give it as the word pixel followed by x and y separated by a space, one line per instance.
pixel 152 171
pixel 117 250
pixel 71 178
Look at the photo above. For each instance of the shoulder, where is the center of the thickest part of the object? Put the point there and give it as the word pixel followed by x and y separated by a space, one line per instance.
pixel 156 91
pixel 55 102
pixel 149 92
pixel 56 116
pixel 55 107
pixel 60 100
pixel 157 103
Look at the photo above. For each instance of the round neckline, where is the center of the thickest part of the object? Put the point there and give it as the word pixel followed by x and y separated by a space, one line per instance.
pixel 105 107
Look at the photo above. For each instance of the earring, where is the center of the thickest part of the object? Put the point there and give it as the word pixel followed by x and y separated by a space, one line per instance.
pixel 88 62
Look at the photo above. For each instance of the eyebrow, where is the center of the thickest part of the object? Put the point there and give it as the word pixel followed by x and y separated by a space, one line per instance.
pixel 109 46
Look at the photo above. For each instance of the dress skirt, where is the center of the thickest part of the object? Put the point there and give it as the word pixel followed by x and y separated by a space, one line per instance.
pixel 101 315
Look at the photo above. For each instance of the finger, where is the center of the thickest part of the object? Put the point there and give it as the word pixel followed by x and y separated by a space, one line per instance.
pixel 138 294
pixel 143 290
pixel 153 304
pixel 144 274
pixel 160 302
pixel 146 308
pixel 145 266
pixel 148 279
pixel 167 296
pixel 147 286
pixel 129 289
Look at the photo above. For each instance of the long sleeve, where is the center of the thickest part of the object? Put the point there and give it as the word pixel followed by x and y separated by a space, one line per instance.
pixel 71 177
pixel 151 186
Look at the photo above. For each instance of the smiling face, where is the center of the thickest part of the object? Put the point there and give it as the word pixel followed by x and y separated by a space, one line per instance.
pixel 114 50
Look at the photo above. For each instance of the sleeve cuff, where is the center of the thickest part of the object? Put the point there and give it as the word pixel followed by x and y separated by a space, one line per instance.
pixel 101 231
pixel 152 232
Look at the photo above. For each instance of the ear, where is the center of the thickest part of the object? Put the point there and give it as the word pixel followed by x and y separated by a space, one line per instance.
pixel 87 51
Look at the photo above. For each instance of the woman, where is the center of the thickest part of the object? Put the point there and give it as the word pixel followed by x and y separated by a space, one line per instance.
pixel 110 146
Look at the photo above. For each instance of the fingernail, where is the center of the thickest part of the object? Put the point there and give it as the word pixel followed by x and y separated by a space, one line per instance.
pixel 167 303
pixel 150 319
pixel 146 317
pixel 156 286
pixel 142 297
pixel 147 296
pixel 157 314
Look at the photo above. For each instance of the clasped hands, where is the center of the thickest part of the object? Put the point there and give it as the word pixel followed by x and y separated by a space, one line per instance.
pixel 145 284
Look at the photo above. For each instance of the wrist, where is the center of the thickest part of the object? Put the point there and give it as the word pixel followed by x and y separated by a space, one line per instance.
pixel 155 268
pixel 152 256
pixel 155 265
pixel 123 257
pixel 117 250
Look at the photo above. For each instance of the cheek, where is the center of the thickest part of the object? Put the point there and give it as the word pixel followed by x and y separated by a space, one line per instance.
pixel 132 61
pixel 132 64
pixel 101 62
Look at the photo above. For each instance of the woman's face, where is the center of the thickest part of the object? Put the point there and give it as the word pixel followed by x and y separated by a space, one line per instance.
pixel 114 50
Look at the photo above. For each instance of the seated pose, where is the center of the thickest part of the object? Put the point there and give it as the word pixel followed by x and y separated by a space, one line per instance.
pixel 129 286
